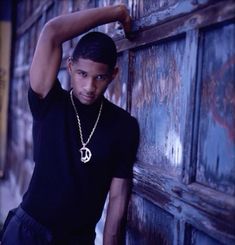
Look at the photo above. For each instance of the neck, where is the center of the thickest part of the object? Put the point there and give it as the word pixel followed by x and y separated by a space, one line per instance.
pixel 93 108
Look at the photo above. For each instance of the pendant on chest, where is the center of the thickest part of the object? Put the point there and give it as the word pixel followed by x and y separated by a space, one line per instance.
pixel 85 154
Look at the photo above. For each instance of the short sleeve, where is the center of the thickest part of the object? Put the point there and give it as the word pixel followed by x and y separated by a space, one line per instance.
pixel 38 106
pixel 127 149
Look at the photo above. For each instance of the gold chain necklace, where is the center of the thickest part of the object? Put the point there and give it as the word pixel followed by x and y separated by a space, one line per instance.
pixel 85 152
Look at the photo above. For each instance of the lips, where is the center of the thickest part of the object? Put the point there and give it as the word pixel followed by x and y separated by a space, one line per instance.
pixel 88 97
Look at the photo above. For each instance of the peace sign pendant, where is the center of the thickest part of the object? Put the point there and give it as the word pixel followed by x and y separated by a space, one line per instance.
pixel 85 154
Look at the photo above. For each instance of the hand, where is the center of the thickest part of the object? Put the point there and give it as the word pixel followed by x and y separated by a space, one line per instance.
pixel 125 19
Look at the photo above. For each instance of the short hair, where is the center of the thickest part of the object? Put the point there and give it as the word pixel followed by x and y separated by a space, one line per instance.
pixel 98 47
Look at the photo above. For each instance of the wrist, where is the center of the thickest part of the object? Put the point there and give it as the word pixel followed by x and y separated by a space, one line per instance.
pixel 121 12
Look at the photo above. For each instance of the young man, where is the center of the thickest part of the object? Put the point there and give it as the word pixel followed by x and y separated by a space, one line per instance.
pixel 84 146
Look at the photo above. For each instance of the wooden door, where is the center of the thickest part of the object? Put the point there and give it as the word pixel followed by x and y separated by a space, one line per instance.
pixel 181 88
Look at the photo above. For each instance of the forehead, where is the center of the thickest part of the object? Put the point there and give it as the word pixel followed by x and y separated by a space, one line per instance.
pixel 91 66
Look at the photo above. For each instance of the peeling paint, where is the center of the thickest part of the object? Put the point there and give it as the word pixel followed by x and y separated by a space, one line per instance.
pixel 174 148
pixel 216 153
pixel 156 102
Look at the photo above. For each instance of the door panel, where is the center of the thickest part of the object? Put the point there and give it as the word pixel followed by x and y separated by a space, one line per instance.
pixel 182 93
pixel 216 135
pixel 157 103
pixel 154 227
pixel 199 238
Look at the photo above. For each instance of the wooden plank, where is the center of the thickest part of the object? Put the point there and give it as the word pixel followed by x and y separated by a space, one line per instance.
pixel 5 50
pixel 204 198
pixel 117 90
pixel 44 5
pixel 217 13
pixel 130 81
pixel 202 207
pixel 190 75
pixel 150 13
pixel 148 224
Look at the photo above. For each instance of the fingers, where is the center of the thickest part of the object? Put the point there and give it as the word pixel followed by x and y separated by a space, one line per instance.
pixel 127 26
pixel 125 19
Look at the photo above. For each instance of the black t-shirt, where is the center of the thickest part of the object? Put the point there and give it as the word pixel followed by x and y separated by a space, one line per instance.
pixel 65 194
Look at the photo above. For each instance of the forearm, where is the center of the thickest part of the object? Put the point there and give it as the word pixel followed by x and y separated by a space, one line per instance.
pixel 113 224
pixel 47 57
pixel 116 214
pixel 68 26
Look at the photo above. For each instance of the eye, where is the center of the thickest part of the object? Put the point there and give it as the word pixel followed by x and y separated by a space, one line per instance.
pixel 82 73
pixel 101 77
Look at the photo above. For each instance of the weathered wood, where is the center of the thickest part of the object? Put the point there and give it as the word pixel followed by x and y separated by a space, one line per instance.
pixel 117 91
pixel 199 237
pixel 216 133
pixel 159 95
pixel 154 226
pixel 150 13
pixel 203 198
pixel 190 76
pixel 43 6
pixel 5 50
pixel 199 205
pixel 212 14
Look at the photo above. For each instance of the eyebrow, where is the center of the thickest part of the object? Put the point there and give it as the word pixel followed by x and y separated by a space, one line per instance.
pixel 80 70
pixel 101 74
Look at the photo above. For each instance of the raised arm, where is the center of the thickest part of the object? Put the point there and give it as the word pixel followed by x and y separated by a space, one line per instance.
pixel 117 207
pixel 47 57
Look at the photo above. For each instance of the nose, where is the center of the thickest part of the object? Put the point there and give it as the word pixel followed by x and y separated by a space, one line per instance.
pixel 90 86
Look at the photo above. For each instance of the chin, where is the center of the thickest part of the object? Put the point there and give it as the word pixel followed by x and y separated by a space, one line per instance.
pixel 88 102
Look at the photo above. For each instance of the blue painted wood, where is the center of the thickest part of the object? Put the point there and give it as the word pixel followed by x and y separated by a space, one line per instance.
pixel 158 97
pixel 154 226
pixel 216 135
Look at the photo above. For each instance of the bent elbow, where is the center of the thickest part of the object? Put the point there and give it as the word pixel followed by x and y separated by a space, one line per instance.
pixel 50 32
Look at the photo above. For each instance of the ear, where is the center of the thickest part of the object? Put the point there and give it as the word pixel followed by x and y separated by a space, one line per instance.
pixel 114 73
pixel 69 64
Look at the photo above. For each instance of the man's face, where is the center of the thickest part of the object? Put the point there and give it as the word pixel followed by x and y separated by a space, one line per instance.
pixel 89 79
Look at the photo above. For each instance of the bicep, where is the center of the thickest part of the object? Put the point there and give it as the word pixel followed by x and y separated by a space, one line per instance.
pixel 46 63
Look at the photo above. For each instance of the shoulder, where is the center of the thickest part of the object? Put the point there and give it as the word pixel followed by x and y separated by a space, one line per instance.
pixel 116 111
pixel 55 91
pixel 121 117
pixel 55 98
